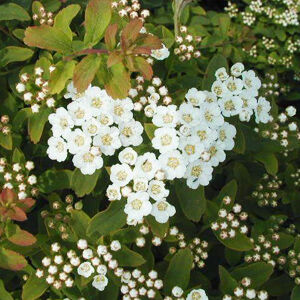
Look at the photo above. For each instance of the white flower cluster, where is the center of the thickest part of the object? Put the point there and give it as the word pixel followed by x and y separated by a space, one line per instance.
pixel 160 54
pixel 17 177
pixel 178 294
pixel 131 9
pixel 93 124
pixel 139 178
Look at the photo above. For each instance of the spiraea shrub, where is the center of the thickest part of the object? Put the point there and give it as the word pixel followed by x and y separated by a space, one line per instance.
pixel 149 150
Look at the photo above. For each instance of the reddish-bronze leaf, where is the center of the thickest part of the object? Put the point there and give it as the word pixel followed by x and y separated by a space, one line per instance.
pixel 85 72
pixel 27 203
pixel 110 36
pixel 11 260
pixel 148 41
pixel 22 238
pixel 17 214
pixel 114 58
pixel 130 33
pixel 144 67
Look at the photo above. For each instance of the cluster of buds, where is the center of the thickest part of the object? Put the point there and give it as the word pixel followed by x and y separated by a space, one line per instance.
pixel 266 192
pixel 34 89
pixel 147 95
pixel 296 177
pixel 140 241
pixel 271 87
pixel 198 247
pixel 187 45
pixel 131 9
pixel 17 177
pixel 293 265
pixel 43 17
pixel 266 249
pixel 245 291
pixel 57 268
pixel 230 220
pixel 283 129
pixel 135 284
pixel 58 218
pixel 231 9
pixel 4 126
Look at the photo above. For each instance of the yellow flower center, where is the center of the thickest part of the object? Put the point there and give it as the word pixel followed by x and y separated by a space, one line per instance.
pixel 106 140
pixel 162 206
pixel 173 162
pixel 189 149
pixel 196 171
pixel 79 140
pixel 166 140
pixel 136 204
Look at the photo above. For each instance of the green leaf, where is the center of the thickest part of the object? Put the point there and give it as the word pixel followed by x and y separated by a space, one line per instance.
pixel 12 54
pixel 4 294
pixel 295 293
pixel 178 272
pixel 109 220
pixel 54 180
pixel 49 38
pixel 97 18
pixel 85 72
pixel 34 288
pixel 150 129
pixel 230 189
pixel 239 243
pixel 240 142
pixel 158 229
pixel 11 260
pixel 6 141
pixel 84 184
pixel 63 72
pixel 259 273
pixel 128 258
pixel 12 11
pixel 218 61
pixel 269 160
pixel 79 222
pixel 36 124
pixel 18 156
pixel 192 202
pixel 64 18
pixel 227 282
pixel 143 67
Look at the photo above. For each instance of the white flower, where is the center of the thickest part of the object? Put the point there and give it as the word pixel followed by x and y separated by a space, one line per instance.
pixel 237 69
pixel 262 111
pixel 165 139
pixel 230 105
pixel 157 190
pixel 140 184
pixel 20 87
pixel 78 141
pixel 221 74
pixel 217 154
pixel 35 108
pixel 122 110
pixel 226 135
pixel 138 206
pixel 100 282
pixel 210 97
pixel 86 269
pixel 165 116
pixel 91 127
pixel 57 149
pixel 162 211
pixel 173 164
pixel 191 148
pixel 98 100
pixel 160 54
pixel 249 104
pixel 234 85
pixel 102 269
pixel 251 81
pixel 113 192
pixel 72 92
pixel 108 140
pixel 131 133
pixel 205 134
pixel 150 109
pixel 61 122
pixel 189 115
pixel 198 173
pixel 79 112
pixel 87 162
pixel 121 175
pixel 195 97
pixel 128 156
pixel 105 118
pixel 197 295
pixel 291 111
pixel 219 88
pixel 250 294
pixel 211 113
pixel 146 166
pixel 177 291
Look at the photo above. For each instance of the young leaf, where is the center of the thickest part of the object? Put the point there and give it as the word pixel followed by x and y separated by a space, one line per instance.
pixel 63 72
pixel 130 33
pixel 192 202
pixel 11 260
pixel 178 272
pixel 19 237
pixel 12 11
pixel 49 38
pixel 64 18
pixel 97 18
pixel 110 36
pixel 36 124
pixel 85 72
pixel 109 220
pixel 142 66
pixel 12 54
